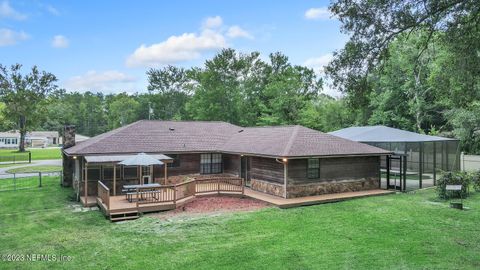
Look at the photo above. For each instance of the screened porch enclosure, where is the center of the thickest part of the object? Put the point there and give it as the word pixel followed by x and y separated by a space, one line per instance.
pixel 424 161
pixel 426 155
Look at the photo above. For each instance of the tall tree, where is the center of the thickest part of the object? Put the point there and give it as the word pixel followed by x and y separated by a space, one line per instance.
pixel 169 91
pixel 22 95
pixel 374 25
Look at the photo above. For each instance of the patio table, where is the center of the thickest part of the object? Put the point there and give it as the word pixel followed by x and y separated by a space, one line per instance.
pixel 132 188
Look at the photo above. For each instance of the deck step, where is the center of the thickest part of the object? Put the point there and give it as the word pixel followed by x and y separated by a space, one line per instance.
pixel 124 218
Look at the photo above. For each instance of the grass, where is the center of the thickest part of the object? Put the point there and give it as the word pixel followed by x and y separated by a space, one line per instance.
pixel 37 153
pixel 31 169
pixel 405 231
pixel 20 183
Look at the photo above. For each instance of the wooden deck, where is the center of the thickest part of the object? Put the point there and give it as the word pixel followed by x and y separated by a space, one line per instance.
pixel 310 200
pixel 170 197
pixel 91 201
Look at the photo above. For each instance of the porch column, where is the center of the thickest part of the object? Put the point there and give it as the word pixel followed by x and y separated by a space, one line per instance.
pixel 141 173
pixel 151 174
pixel 114 180
pixel 86 184
pixel 285 176
pixel 165 165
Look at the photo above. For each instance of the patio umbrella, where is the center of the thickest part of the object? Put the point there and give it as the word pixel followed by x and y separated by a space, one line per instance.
pixel 141 159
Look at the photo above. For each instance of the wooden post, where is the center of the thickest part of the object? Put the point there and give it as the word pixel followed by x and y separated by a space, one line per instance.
pixel 141 178
pixel 114 180
pixel 86 184
pixel 243 186
pixel 137 199
pixel 151 174
pixel 165 174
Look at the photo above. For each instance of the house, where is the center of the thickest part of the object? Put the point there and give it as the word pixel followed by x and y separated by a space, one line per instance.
pixel 284 161
pixel 11 139
pixel 423 156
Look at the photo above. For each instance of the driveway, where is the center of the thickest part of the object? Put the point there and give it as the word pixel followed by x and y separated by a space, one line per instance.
pixel 53 162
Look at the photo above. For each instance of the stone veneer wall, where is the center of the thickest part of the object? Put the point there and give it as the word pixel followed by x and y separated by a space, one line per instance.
pixel 267 187
pixel 328 187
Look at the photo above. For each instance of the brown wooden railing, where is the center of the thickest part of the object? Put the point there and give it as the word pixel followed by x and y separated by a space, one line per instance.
pixel 155 194
pixel 104 194
pixel 185 190
pixel 174 193
pixel 219 185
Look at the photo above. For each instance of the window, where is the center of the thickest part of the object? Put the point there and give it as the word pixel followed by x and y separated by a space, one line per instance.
pixel 313 168
pixel 176 161
pixel 7 141
pixel 108 172
pixel 130 172
pixel 210 163
pixel 93 173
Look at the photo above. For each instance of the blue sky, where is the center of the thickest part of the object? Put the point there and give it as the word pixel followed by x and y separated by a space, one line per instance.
pixel 108 45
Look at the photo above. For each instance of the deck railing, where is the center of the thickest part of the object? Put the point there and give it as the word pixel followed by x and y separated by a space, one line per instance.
pixel 155 194
pixel 104 194
pixel 173 193
pixel 185 190
pixel 219 185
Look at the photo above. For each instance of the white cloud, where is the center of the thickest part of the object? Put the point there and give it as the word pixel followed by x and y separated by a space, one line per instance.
pixel 106 81
pixel 212 22
pixel 9 37
pixel 52 10
pixel 318 14
pixel 237 32
pixel 318 63
pixel 6 11
pixel 60 41
pixel 188 46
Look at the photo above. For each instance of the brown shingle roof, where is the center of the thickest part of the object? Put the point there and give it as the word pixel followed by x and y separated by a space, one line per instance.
pixel 158 137
pixel 197 136
pixel 294 141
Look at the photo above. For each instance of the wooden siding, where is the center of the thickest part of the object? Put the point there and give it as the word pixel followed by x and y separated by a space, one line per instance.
pixel 334 169
pixel 266 169
pixel 189 164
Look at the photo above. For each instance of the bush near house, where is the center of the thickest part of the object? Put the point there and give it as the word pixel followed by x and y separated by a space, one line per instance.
pixel 476 180
pixel 453 178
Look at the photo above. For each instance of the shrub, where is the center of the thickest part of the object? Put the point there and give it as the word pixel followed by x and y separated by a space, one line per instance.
pixel 453 178
pixel 476 180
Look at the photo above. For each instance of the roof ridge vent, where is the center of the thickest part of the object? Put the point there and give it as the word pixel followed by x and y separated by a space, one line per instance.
pixel 240 131
pixel 171 129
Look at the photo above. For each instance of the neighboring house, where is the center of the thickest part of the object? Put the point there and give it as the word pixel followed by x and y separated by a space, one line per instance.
pixel 42 138
pixel 285 161
pixel 11 139
pixel 425 156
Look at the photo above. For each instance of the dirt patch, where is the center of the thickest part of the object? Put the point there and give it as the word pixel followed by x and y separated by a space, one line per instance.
pixel 214 204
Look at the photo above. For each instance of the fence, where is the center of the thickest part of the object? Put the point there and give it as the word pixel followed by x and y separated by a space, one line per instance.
pixel 16 158
pixel 19 181
pixel 469 163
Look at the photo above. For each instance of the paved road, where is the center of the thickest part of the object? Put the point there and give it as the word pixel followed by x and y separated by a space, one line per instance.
pixel 54 162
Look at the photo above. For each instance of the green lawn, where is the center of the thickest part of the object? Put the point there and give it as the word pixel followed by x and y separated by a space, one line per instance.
pixel 30 169
pixel 406 231
pixel 37 153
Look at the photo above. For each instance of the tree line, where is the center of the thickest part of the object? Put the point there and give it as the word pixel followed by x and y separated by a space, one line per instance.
pixel 413 65
pixel 234 87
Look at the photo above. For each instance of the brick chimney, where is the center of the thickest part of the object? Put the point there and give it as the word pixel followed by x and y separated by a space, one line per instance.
pixel 68 162
pixel 68 136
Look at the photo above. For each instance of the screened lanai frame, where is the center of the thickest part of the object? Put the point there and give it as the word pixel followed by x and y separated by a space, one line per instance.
pixel 426 156
pixel 425 159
